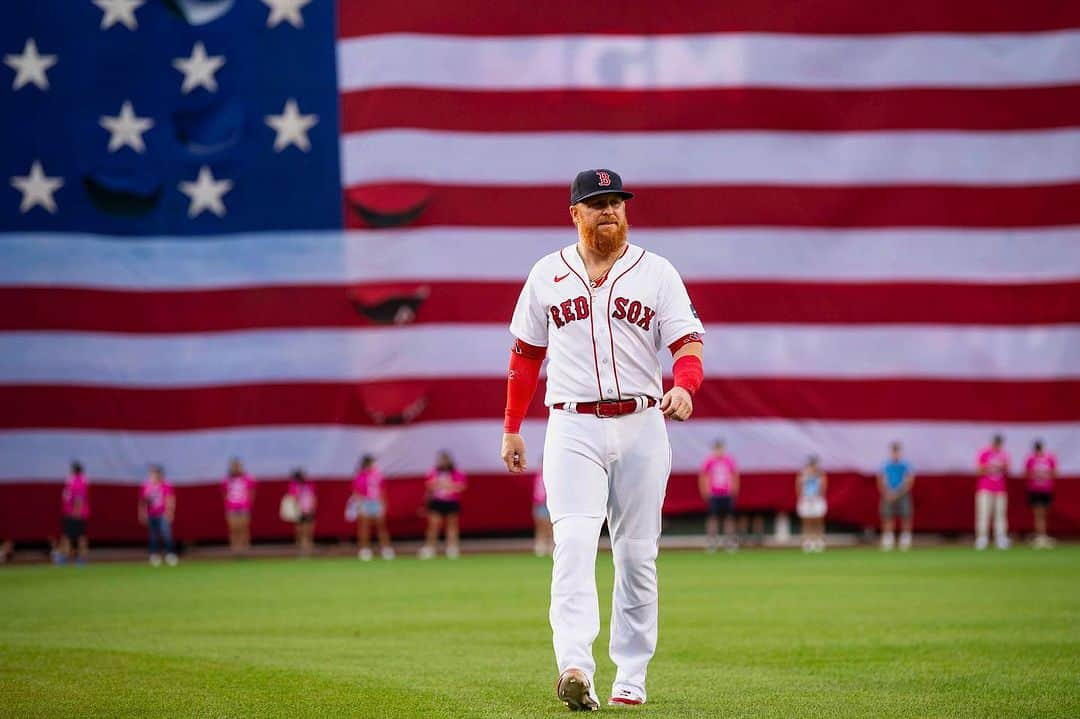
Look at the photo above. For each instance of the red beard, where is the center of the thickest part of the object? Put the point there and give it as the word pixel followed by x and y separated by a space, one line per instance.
pixel 606 242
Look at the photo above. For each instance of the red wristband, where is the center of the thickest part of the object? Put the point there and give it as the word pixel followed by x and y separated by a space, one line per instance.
pixel 688 373
pixel 525 361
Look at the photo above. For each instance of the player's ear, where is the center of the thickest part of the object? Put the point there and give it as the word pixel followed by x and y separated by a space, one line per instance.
pixel 573 214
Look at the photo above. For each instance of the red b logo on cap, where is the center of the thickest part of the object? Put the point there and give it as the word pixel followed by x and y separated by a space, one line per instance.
pixel 603 179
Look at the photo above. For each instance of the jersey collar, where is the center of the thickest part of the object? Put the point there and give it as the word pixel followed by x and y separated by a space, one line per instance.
pixel 577 264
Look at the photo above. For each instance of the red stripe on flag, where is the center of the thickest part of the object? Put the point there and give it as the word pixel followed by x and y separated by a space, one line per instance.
pixel 357 18
pixel 352 404
pixel 736 302
pixel 714 109
pixel 732 205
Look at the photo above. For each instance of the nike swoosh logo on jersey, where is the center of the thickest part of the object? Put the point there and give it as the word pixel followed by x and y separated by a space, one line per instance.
pixel 560 279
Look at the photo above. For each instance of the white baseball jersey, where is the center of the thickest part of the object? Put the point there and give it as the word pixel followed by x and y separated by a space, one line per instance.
pixel 602 342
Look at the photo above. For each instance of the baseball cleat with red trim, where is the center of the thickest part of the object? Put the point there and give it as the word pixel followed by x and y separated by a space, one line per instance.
pixel 572 688
pixel 625 698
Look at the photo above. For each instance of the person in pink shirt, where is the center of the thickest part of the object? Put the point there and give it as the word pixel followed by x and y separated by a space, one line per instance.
pixel 444 486
pixel 718 483
pixel 1040 468
pixel 75 505
pixel 238 490
pixel 367 506
pixel 302 492
pixel 543 536
pixel 991 494
pixel 157 507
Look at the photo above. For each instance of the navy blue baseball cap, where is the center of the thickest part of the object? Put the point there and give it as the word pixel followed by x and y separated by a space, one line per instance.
pixel 590 183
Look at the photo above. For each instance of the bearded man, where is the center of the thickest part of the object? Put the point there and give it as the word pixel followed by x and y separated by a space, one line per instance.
pixel 599 310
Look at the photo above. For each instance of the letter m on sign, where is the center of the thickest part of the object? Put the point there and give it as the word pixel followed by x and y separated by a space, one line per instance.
pixel 603 179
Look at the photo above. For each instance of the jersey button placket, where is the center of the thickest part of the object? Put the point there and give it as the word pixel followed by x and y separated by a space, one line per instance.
pixel 603 350
pixel 598 339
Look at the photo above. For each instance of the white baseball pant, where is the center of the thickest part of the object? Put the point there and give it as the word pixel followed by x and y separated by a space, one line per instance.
pixel 615 468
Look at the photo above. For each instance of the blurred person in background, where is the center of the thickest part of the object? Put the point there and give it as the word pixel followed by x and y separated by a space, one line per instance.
pixel 1040 468
pixel 7 551
pixel 445 484
pixel 810 484
pixel 991 494
pixel 75 505
pixel 368 506
pixel 302 492
pixel 894 484
pixel 543 537
pixel 238 490
pixel 718 483
pixel 157 508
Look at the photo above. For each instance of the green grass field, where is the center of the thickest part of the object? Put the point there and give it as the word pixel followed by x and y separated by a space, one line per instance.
pixel 850 633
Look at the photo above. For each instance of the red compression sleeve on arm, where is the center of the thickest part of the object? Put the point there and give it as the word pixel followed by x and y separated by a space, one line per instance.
pixel 525 361
pixel 688 372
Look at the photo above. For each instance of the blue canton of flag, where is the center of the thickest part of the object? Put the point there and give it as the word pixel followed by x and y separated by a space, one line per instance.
pixel 179 117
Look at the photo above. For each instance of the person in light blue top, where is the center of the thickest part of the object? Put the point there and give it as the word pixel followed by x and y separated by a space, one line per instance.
pixel 894 483
pixel 810 485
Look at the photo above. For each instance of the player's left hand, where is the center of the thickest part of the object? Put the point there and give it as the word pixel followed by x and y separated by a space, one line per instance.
pixel 677 404
pixel 513 453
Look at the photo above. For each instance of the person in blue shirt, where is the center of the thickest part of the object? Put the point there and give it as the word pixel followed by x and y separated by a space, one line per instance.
pixel 895 482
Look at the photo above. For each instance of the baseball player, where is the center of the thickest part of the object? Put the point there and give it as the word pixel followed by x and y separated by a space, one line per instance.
pixel 600 310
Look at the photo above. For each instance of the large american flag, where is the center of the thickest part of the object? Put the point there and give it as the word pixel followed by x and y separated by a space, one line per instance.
pixel 293 231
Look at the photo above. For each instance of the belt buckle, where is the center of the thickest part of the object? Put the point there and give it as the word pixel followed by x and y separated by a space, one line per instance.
pixel 606 402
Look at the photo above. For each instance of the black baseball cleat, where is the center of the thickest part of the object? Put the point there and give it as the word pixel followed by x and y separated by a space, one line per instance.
pixel 572 688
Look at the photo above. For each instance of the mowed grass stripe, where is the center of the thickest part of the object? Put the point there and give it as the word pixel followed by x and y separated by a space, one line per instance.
pixel 852 633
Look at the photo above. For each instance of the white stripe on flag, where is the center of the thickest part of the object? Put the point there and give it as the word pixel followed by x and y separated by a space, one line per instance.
pixel 758 445
pixel 297 355
pixel 484 253
pixel 611 62
pixel 662 158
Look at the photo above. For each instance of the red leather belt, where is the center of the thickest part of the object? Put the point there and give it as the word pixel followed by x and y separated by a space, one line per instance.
pixel 607 407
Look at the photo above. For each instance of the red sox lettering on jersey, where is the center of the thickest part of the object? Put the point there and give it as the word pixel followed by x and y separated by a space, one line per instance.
pixel 633 311
pixel 602 341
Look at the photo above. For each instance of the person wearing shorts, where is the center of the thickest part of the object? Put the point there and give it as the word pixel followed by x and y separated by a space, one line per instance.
pixel 543 541
pixel 75 506
pixel 1040 468
pixel 894 484
pixel 445 484
pixel 238 490
pixel 302 492
pixel 157 507
pixel 367 505
pixel 718 484
pixel 810 484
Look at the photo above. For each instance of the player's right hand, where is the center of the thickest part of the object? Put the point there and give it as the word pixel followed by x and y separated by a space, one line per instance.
pixel 513 453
